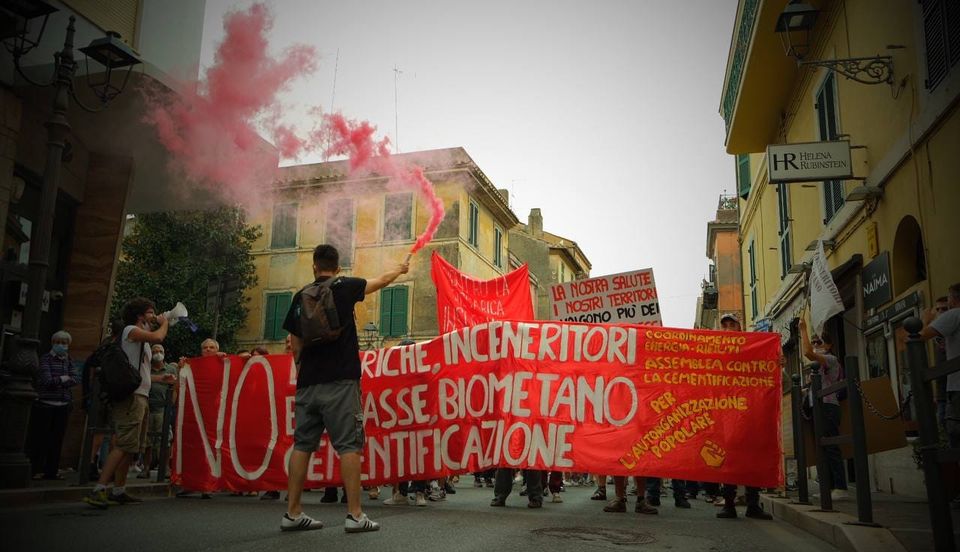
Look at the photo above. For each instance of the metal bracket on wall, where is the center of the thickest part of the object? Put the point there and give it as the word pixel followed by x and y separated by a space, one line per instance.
pixel 865 70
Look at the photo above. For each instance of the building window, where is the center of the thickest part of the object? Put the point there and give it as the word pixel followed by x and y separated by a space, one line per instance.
pixel 783 204
pixel 878 364
pixel 828 124
pixel 339 228
pixel 941 33
pixel 393 311
pixel 743 175
pixel 498 247
pixel 397 217
pixel 752 254
pixel 909 260
pixel 274 314
pixel 284 230
pixel 474 237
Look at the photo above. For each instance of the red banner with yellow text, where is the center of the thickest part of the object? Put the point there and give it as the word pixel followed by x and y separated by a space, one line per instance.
pixel 464 301
pixel 618 400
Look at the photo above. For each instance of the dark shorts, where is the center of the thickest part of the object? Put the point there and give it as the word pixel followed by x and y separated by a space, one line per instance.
pixel 334 407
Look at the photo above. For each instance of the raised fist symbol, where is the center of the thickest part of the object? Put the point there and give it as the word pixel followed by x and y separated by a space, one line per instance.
pixel 713 454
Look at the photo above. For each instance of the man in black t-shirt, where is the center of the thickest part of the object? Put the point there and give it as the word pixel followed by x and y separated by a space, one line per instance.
pixel 328 392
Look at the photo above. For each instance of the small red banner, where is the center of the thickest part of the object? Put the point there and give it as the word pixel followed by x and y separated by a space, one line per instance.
pixel 463 301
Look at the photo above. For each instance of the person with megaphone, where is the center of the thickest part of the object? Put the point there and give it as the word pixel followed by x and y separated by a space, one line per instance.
pixel 128 404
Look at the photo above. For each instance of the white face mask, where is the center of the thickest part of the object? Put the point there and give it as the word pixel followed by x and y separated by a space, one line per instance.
pixel 158 357
pixel 820 351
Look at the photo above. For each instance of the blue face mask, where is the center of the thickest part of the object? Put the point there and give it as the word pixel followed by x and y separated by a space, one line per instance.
pixel 60 349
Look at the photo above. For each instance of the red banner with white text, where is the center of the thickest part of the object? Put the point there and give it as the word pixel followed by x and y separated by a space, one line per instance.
pixel 610 399
pixel 464 301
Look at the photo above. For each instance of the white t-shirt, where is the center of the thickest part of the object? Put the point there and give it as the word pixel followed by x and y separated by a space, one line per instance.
pixel 139 355
pixel 948 325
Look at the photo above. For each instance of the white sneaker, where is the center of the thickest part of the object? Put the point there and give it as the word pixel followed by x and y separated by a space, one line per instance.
pixel 362 524
pixel 374 493
pixel 556 498
pixel 839 494
pixel 396 500
pixel 438 495
pixel 303 522
pixel 421 500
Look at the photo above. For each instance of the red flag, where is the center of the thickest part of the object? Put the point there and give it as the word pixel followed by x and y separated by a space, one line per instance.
pixel 463 301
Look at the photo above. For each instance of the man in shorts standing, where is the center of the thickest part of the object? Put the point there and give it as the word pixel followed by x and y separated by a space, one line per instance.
pixel 328 392
pixel 139 315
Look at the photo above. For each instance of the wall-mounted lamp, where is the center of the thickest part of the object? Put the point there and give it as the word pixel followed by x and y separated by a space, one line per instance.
pixel 800 18
pixel 799 268
pixel 795 24
pixel 827 244
pixel 864 193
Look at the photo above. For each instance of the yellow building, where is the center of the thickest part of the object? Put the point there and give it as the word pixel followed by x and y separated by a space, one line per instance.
pixel 374 226
pixel 891 229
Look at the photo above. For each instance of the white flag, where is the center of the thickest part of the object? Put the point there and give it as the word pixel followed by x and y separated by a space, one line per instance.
pixel 825 299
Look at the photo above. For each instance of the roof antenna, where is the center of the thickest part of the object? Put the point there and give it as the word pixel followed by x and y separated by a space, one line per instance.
pixel 336 66
pixel 396 117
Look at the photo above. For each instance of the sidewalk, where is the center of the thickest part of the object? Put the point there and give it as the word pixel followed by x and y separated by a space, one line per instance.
pixel 905 522
pixel 68 490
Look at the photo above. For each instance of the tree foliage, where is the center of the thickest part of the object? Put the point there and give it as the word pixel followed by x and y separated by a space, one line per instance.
pixel 174 256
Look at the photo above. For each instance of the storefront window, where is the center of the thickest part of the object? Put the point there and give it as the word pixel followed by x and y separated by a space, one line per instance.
pixel 903 374
pixel 877 361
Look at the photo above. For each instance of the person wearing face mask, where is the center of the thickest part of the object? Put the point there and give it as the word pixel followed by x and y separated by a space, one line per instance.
pixel 48 420
pixel 819 349
pixel 157 404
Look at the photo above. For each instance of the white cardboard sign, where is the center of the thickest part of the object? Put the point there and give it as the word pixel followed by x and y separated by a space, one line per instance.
pixel 625 298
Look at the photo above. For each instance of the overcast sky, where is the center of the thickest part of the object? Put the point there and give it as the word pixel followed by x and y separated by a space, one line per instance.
pixel 604 114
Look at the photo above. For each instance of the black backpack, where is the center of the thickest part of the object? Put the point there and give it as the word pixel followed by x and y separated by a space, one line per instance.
pixel 319 320
pixel 118 378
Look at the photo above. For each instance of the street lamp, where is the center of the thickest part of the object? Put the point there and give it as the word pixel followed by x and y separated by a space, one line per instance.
pixel 864 193
pixel 797 17
pixel 800 18
pixel 17 373
pixel 369 335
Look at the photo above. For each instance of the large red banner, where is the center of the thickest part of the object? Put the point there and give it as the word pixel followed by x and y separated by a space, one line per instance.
pixel 463 301
pixel 610 399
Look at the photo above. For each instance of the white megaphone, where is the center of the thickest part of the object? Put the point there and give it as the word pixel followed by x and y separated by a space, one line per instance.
pixel 176 313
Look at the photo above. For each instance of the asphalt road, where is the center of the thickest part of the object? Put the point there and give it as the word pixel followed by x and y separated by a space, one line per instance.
pixel 464 522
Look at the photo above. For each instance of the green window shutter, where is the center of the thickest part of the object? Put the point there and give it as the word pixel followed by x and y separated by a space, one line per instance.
pixel 743 175
pixel 339 228
pixel 397 217
pixel 474 224
pixel 783 202
pixel 283 305
pixel 386 306
pixel 393 311
pixel 270 320
pixel 274 314
pixel 398 319
pixel 284 229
